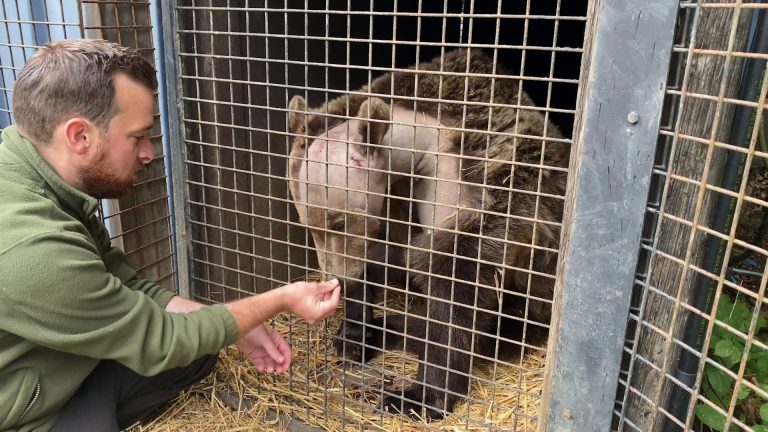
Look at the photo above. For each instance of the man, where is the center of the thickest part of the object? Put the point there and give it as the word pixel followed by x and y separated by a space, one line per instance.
pixel 84 343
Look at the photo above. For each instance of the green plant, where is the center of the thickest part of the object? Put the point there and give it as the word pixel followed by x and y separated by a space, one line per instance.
pixel 727 349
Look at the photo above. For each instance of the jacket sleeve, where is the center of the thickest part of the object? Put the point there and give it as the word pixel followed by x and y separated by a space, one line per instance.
pixel 117 263
pixel 59 294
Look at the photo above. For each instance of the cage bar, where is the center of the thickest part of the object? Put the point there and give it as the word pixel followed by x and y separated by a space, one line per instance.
pixel 621 109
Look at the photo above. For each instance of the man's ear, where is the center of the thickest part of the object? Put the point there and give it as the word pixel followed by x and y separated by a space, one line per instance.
pixel 79 134
pixel 374 122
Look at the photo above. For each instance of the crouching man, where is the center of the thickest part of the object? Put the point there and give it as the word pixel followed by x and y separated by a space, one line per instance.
pixel 84 343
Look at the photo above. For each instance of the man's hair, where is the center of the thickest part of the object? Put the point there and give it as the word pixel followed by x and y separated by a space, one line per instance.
pixel 70 78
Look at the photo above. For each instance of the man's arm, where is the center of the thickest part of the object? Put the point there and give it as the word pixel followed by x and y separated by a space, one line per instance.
pixel 266 347
pixel 179 304
pixel 248 312
pixel 312 301
pixel 263 345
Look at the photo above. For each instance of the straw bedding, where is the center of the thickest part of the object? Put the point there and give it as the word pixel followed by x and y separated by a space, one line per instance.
pixel 322 393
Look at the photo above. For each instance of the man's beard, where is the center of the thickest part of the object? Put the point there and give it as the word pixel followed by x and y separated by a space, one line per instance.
pixel 101 180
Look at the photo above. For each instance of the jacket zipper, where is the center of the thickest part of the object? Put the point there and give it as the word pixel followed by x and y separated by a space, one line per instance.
pixel 32 401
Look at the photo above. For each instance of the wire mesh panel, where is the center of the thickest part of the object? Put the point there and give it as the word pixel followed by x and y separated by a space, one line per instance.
pixel 138 223
pixel 25 25
pixel 696 355
pixel 416 150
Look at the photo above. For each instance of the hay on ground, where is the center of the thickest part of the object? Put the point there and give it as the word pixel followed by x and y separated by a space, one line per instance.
pixel 321 391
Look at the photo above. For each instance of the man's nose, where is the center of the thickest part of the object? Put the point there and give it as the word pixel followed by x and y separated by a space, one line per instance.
pixel 146 152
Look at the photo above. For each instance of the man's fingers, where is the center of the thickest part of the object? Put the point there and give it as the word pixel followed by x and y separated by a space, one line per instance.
pixel 285 350
pixel 327 305
pixel 259 363
pixel 328 295
pixel 335 296
pixel 270 347
pixel 329 285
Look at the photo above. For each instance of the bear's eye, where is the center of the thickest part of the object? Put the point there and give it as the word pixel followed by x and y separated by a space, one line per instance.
pixel 338 226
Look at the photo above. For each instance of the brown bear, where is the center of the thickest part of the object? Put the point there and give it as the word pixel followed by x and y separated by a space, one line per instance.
pixel 485 173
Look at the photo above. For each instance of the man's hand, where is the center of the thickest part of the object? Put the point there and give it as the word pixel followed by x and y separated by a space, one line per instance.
pixel 266 348
pixel 311 300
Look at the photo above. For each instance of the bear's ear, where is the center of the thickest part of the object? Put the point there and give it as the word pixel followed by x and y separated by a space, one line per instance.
pixel 297 108
pixel 374 121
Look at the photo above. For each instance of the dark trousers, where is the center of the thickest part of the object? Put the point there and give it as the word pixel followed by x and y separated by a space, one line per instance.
pixel 114 397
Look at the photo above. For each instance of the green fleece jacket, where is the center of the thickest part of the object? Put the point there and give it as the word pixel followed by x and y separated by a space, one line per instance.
pixel 68 298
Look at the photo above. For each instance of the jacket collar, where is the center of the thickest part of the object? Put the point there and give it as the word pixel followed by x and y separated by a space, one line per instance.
pixel 77 200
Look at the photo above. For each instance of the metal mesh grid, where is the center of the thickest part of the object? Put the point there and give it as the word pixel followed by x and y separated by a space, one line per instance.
pixel 695 354
pixel 24 25
pixel 241 62
pixel 139 222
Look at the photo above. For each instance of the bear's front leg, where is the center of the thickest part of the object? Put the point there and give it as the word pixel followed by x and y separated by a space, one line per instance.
pixel 359 337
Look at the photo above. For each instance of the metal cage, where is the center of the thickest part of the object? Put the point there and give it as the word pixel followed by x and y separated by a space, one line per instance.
pixel 238 66
pixel 657 273
pixel 695 348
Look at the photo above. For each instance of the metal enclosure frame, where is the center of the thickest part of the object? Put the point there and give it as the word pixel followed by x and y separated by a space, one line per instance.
pixel 625 61
pixel 621 101
pixel 621 95
pixel 178 173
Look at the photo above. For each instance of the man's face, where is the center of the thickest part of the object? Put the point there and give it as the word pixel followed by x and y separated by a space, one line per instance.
pixel 124 148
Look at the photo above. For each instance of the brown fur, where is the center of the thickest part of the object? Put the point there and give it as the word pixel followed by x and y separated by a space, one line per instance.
pixel 512 159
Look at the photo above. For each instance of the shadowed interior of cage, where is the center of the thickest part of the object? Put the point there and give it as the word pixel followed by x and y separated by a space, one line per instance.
pixel 695 354
pixel 500 160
